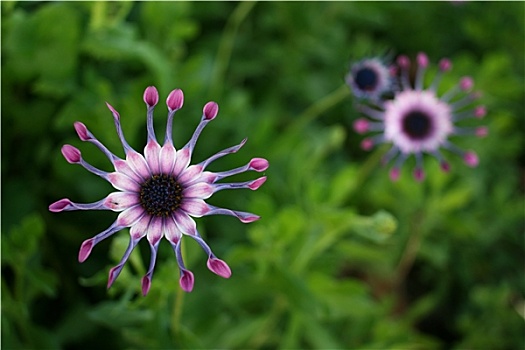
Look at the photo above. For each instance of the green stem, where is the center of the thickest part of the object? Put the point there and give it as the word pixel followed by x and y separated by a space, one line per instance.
pixel 321 106
pixel 226 45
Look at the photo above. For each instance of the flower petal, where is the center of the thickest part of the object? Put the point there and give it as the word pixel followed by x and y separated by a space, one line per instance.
pixel 151 152
pixel 118 201
pixel 171 231
pixel 182 161
pixel 122 166
pixel 140 228
pixel 190 173
pixel 154 233
pixel 201 190
pixel 219 267
pixel 167 157
pixel 195 207
pixel 139 165
pixel 185 224
pixel 130 216
pixel 123 182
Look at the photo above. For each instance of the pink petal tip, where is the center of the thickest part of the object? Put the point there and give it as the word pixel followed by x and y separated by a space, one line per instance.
pixel 151 96
pixel 471 159
pixel 466 83
pixel 367 144
pixel 361 125
pixel 146 284
pixel 116 115
pixel 403 62
pixel 210 110
pixel 259 164
pixel 175 100
pixel 59 205
pixel 394 174
pixel 480 111
pixel 186 281
pixel 482 131
pixel 82 131
pixel 219 267
pixel 85 250
pixel 72 154
pixel 422 59
pixel 419 174
pixel 445 166
pixel 445 65
pixel 257 183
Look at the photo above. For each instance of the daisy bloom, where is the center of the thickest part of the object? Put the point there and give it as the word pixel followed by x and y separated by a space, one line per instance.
pixel 159 192
pixel 369 79
pixel 418 121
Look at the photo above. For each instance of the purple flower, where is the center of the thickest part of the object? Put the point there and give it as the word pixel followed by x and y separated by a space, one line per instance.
pixel 418 121
pixel 369 79
pixel 159 192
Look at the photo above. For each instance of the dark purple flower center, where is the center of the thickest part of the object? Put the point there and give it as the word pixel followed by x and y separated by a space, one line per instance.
pixel 366 79
pixel 160 195
pixel 417 125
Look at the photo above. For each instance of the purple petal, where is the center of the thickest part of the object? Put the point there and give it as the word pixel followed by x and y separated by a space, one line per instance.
pixel 219 267
pixel 123 182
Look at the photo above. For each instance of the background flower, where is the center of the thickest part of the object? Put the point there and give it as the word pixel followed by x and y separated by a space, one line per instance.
pixel 342 258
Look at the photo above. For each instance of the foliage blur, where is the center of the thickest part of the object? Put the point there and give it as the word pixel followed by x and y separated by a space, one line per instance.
pixel 342 257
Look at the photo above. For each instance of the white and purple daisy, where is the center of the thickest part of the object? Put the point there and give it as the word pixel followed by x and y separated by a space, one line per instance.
pixel 418 121
pixel 370 79
pixel 160 192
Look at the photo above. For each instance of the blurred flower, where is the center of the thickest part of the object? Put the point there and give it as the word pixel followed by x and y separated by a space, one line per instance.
pixel 160 191
pixel 369 79
pixel 417 120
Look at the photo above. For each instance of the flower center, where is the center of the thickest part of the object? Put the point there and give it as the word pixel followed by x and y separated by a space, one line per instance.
pixel 417 125
pixel 366 79
pixel 160 195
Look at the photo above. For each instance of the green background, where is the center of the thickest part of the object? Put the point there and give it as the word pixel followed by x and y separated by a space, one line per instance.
pixel 342 257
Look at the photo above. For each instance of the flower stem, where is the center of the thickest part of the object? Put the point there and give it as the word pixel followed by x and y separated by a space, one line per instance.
pixel 321 106
pixel 226 45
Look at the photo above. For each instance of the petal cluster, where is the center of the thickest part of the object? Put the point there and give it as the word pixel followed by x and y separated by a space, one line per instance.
pixel 159 192
pixel 416 119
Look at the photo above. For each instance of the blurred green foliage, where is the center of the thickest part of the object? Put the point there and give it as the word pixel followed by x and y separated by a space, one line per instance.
pixel 342 257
